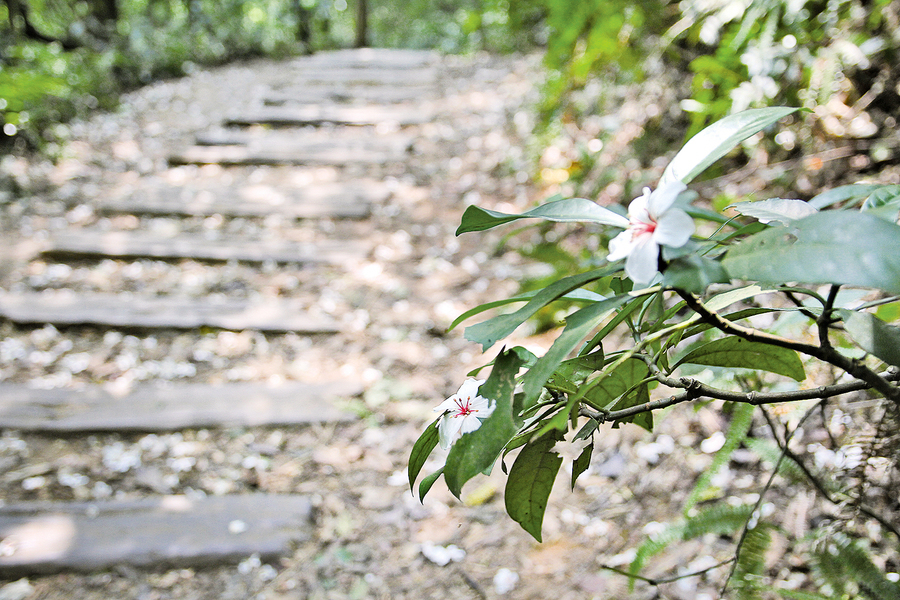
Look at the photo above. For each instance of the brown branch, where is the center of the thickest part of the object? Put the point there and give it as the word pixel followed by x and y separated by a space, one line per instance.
pixel 825 353
pixel 694 389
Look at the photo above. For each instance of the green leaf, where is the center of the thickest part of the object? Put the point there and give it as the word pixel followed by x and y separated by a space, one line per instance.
pixel 574 295
pixel 873 335
pixel 693 273
pixel 619 389
pixel 475 452
pixel 839 247
pixel 854 191
pixel 567 210
pixel 740 353
pixel 487 333
pixel 719 139
pixel 530 481
pixel 781 210
pixel 421 450
pixel 578 325
pixel 581 464
pixel 427 482
pixel 576 370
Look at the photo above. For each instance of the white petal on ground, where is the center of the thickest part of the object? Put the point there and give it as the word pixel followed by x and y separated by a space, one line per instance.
pixel 442 555
pixel 505 580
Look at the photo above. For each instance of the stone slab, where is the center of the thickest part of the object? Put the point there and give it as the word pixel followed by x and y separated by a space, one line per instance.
pixel 168 531
pixel 142 244
pixel 248 199
pixel 159 407
pixel 320 114
pixel 130 311
pixel 365 75
pixel 298 147
pixel 346 94
pixel 392 58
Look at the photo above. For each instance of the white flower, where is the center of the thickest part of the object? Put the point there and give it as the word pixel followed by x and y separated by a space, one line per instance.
pixel 462 412
pixel 652 223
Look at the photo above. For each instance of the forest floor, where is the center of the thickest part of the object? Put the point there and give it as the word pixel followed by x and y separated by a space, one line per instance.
pixel 370 537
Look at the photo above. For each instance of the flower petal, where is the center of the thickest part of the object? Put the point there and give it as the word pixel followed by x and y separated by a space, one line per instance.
pixel 621 246
pixel 643 261
pixel 469 424
pixel 469 388
pixel 448 404
pixel 448 430
pixel 674 229
pixel 637 210
pixel 663 197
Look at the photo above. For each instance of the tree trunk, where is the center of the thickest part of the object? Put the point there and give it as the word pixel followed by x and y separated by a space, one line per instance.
pixel 304 25
pixel 362 24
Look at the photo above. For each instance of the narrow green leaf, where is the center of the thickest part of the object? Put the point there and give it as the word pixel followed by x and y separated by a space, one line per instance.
pixel 475 452
pixel 781 210
pixel 719 139
pixel 574 295
pixel 487 333
pixel 578 325
pixel 740 353
pixel 530 481
pixel 427 482
pixel 840 247
pixel 421 451
pixel 873 335
pixel 856 191
pixel 567 210
pixel 581 464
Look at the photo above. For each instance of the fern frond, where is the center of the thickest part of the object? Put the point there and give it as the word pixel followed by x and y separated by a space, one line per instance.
pixel 751 562
pixel 741 420
pixel 720 518
pixel 841 559
pixel 798 595
pixel 769 451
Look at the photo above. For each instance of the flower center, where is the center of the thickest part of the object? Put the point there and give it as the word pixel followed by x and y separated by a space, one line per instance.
pixel 465 407
pixel 643 227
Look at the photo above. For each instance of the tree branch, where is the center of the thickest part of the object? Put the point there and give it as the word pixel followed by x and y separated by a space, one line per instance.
pixel 695 389
pixel 824 353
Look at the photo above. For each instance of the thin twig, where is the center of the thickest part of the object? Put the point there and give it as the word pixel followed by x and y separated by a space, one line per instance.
pixel 659 581
pixel 820 487
pixel 754 514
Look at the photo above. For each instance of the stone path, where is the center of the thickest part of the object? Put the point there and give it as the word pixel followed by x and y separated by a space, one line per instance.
pixel 356 112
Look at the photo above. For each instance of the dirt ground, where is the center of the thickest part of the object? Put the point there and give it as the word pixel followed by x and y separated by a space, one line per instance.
pixel 372 538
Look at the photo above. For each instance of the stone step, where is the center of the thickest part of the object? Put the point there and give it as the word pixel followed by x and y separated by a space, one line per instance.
pixel 317 114
pixel 342 75
pixel 142 244
pixel 346 94
pixel 282 195
pixel 376 58
pixel 285 147
pixel 129 311
pixel 175 406
pixel 163 532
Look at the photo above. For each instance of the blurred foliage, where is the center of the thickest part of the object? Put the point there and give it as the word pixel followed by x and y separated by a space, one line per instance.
pixel 60 58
